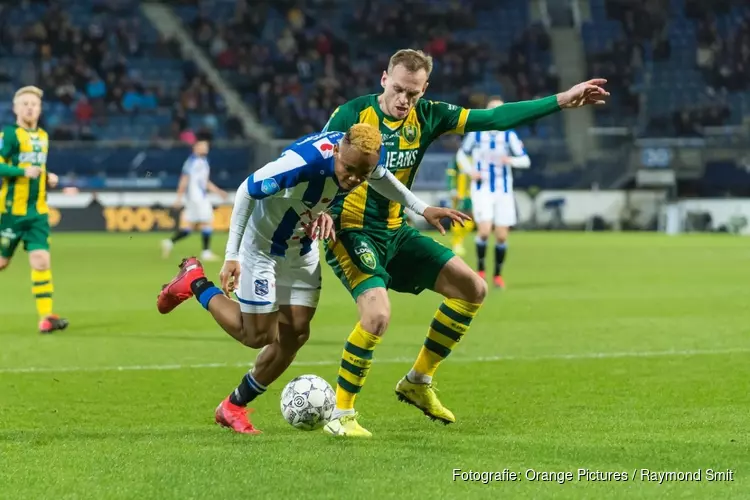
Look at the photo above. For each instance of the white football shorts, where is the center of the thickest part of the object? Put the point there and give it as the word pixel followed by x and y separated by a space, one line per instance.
pixel 268 281
pixel 498 208
pixel 198 212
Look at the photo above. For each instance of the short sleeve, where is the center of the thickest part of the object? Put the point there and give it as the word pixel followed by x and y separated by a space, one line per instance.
pixel 446 118
pixel 341 120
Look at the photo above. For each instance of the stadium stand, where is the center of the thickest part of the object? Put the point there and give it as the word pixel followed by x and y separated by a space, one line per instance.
pixel 689 59
pixel 106 73
pixel 294 65
pixel 674 68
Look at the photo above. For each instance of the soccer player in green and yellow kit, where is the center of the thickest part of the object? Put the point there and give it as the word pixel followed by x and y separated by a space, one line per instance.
pixel 375 249
pixel 458 187
pixel 23 200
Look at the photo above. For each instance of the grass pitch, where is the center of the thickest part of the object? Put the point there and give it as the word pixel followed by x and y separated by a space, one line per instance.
pixel 608 352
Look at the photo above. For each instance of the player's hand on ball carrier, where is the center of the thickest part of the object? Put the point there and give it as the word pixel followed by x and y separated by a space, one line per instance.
pixel 229 275
pixel 434 215
pixel 32 172
pixel 322 228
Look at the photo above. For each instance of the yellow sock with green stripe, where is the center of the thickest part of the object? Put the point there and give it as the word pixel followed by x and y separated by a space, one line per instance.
pixel 355 364
pixel 41 287
pixel 448 327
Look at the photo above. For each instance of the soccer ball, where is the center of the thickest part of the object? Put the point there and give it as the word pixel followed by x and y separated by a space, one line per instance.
pixel 307 402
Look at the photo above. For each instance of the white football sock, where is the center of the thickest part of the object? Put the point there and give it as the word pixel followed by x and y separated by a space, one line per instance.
pixel 338 413
pixel 418 378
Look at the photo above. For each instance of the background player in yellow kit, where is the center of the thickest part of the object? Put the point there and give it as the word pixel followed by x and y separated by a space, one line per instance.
pixel 23 200
pixel 458 187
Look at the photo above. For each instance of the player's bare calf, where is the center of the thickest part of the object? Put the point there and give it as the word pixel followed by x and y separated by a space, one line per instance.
pixel 251 330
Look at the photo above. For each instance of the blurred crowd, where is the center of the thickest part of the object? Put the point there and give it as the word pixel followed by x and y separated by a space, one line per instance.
pixel 294 61
pixel 87 78
pixel 296 79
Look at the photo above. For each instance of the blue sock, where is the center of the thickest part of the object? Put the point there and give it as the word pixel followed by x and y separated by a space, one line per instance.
pixel 204 291
pixel 481 252
pixel 500 250
pixel 248 390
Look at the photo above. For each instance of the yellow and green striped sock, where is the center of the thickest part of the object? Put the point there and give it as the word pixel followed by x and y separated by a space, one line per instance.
pixel 355 364
pixel 41 287
pixel 448 327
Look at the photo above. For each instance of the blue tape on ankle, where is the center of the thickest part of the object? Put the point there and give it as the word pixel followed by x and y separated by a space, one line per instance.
pixel 209 294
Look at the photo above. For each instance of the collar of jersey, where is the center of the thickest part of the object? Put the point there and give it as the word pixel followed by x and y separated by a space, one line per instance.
pixel 387 120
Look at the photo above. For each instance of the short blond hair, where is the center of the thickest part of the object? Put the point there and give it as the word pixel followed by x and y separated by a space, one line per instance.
pixel 29 89
pixel 364 137
pixel 412 60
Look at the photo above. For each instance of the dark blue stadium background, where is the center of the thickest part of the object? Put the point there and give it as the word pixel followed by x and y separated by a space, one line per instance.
pixel 122 102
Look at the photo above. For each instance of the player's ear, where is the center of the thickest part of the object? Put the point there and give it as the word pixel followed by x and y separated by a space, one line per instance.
pixel 424 89
pixel 384 79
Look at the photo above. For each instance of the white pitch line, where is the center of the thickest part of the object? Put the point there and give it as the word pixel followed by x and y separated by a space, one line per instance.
pixel 386 361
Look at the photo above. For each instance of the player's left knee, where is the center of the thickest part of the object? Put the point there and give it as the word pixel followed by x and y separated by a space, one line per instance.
pixel 471 288
pixel 475 289
pixel 39 260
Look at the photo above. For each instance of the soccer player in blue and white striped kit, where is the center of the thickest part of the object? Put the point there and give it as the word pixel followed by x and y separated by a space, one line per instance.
pixel 273 259
pixel 194 186
pixel 489 157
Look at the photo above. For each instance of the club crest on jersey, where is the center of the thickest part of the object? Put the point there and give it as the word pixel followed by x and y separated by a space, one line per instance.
pixel 409 133
pixel 261 288
pixel 269 186
pixel 366 256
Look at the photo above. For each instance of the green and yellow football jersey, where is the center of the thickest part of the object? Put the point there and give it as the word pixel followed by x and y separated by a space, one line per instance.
pixel 405 142
pixel 24 148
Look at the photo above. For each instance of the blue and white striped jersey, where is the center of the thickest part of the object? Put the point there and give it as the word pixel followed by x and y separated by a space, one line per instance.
pixel 492 154
pixel 292 191
pixel 198 170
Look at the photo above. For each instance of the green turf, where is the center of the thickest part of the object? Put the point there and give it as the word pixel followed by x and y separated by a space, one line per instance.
pixel 617 352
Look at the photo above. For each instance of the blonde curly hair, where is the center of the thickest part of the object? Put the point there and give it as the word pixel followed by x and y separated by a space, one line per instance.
pixel 364 137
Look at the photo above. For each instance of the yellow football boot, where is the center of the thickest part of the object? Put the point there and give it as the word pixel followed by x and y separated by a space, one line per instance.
pixel 424 397
pixel 347 425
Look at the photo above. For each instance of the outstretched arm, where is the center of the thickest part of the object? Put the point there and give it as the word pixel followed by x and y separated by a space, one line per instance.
pixel 515 114
pixel 10 171
pixel 393 189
